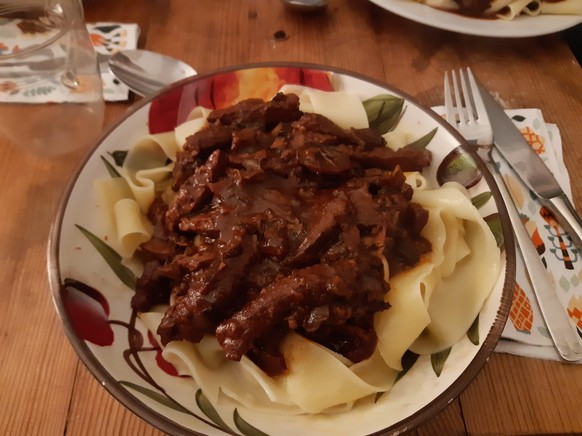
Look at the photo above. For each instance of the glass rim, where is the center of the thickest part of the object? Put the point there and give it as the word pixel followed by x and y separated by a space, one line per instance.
pixel 67 24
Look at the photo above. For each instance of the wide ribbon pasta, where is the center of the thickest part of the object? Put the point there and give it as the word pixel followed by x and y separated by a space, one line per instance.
pixel 465 270
pixel 125 224
pixel 343 108
pixel 509 9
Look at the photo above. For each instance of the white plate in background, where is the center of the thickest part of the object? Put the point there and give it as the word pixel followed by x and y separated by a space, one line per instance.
pixel 522 26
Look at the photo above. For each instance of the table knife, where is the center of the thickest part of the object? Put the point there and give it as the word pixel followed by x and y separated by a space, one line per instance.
pixel 531 168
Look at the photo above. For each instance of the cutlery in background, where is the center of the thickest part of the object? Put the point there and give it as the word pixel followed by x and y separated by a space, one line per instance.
pixel 146 72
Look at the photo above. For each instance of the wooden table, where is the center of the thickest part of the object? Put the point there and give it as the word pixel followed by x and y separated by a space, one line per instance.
pixel 44 389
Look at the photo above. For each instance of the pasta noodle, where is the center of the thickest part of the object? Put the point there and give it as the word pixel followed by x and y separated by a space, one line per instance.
pixel 507 9
pixel 497 5
pixel 515 8
pixel 125 223
pixel 344 109
pixel 566 7
pixel 432 304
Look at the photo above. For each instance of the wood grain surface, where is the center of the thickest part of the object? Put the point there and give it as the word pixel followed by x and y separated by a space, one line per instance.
pixel 45 390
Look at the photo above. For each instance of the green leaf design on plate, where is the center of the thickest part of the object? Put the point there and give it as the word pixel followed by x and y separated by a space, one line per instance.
pixel 156 396
pixel 438 360
pixel 494 223
pixel 459 166
pixel 481 200
pixel 110 168
pixel 245 428
pixel 518 118
pixel 473 332
pixel 119 157
pixel 378 396
pixel 110 256
pixel 383 111
pixel 208 409
pixel 408 359
pixel 423 142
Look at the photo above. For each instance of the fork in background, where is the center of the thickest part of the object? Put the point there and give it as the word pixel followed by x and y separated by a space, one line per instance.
pixel 464 110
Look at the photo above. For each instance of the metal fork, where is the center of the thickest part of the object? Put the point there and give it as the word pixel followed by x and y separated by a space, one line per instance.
pixel 464 110
pixel 467 114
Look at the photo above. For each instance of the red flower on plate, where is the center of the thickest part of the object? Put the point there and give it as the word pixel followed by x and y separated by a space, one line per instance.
pixel 225 89
pixel 162 363
pixel 88 311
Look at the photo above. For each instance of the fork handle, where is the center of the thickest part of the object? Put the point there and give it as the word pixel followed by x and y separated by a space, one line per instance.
pixel 566 216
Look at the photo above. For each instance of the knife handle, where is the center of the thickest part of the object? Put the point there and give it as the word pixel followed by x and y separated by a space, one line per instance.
pixel 566 216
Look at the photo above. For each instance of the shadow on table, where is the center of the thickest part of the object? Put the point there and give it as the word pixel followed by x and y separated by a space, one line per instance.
pixel 574 38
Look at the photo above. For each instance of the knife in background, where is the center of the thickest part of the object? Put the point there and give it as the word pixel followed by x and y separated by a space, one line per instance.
pixel 531 168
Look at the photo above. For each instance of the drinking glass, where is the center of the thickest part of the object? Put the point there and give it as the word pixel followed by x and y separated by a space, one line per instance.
pixel 51 96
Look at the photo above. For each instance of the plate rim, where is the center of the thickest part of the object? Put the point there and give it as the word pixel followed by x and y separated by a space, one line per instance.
pixel 143 411
pixel 451 21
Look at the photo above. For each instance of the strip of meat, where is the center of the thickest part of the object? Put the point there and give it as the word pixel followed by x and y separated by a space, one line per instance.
pixel 211 292
pixel 409 159
pixel 194 192
pixel 316 284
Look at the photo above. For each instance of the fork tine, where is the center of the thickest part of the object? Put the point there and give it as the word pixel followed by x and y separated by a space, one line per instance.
pixel 486 133
pixel 468 97
pixel 458 102
pixel 449 108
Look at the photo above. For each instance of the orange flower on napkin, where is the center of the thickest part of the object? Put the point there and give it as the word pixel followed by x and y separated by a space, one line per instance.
pixel 8 86
pixel 533 139
pixel 521 314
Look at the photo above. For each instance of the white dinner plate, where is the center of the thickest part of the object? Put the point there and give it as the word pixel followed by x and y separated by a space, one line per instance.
pixel 522 26
pixel 92 287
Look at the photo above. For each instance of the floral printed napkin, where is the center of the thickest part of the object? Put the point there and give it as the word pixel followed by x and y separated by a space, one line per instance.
pixel 107 38
pixel 525 332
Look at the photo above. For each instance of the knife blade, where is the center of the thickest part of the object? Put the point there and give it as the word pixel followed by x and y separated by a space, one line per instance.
pixel 531 168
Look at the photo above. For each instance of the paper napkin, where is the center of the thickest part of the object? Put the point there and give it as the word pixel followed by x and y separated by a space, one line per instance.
pixel 107 38
pixel 525 332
